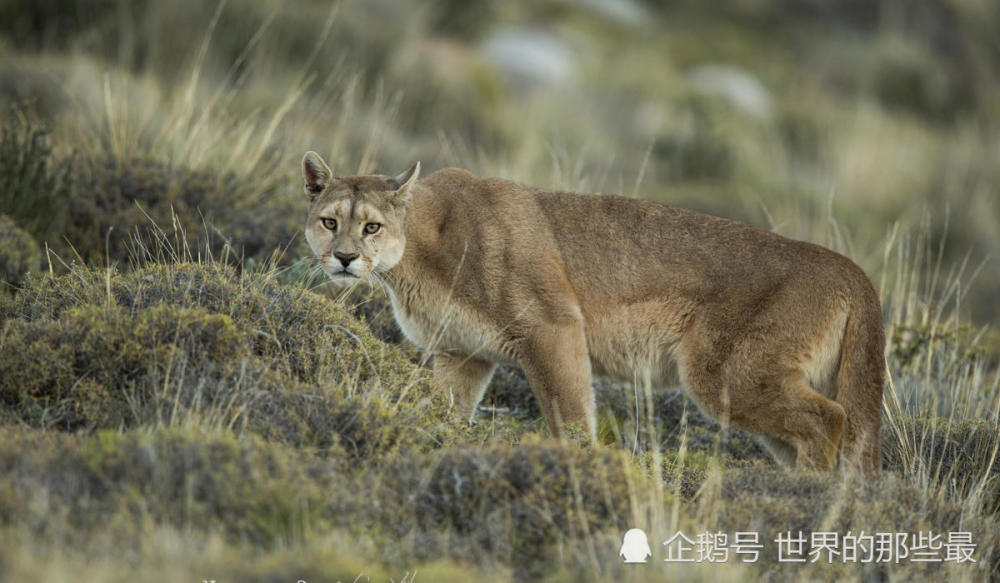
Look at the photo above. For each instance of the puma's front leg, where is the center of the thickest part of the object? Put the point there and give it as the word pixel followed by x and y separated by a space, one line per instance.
pixel 465 378
pixel 558 369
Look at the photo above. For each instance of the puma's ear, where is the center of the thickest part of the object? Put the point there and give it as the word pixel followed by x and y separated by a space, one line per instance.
pixel 317 174
pixel 401 183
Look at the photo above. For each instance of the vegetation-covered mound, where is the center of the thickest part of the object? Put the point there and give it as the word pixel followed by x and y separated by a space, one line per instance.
pixel 71 483
pixel 165 343
pixel 510 506
pixel 114 199
pixel 503 508
pixel 102 208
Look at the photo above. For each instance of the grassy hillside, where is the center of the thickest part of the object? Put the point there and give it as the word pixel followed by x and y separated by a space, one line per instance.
pixel 183 399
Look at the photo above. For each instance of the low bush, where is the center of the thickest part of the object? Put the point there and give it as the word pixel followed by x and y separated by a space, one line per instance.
pixel 492 508
pixel 113 201
pixel 246 489
pixel 192 343
pixel 773 502
pixel 19 253
pixel 105 209
pixel 34 187
pixel 515 505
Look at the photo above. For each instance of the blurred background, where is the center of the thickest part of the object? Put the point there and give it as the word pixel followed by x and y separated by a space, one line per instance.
pixel 872 127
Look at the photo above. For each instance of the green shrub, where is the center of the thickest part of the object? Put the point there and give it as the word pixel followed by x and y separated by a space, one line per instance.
pixel 109 209
pixel 908 76
pixel 247 489
pixel 301 333
pixel 113 200
pixel 43 24
pixel 506 508
pixel 33 189
pixel 24 84
pixel 202 343
pixel 19 253
pixel 508 504
pixel 695 149
pixel 332 557
pixel 770 501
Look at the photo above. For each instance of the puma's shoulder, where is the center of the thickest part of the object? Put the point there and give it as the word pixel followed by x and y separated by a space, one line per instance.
pixel 470 188
pixel 449 180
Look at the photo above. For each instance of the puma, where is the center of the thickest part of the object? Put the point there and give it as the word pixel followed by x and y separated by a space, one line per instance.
pixel 779 337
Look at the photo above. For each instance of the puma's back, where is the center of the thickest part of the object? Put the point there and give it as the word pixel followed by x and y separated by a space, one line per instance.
pixel 780 337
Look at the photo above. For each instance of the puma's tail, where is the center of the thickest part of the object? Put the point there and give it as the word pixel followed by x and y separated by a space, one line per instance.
pixel 860 380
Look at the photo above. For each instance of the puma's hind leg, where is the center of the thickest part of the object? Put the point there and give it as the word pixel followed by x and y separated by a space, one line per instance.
pixel 782 451
pixel 798 424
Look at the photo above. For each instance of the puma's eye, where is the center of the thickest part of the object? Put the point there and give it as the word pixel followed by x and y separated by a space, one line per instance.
pixel 330 224
pixel 372 228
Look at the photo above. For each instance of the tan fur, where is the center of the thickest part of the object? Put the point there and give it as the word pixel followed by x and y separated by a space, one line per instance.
pixel 779 337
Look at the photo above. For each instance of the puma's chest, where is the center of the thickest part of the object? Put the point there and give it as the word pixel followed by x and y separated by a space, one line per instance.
pixel 434 323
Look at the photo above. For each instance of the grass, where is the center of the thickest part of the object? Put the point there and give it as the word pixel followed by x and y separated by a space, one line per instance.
pixel 172 343
pixel 183 399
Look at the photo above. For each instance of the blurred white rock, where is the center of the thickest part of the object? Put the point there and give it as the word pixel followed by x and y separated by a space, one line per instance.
pixel 621 11
pixel 742 89
pixel 530 56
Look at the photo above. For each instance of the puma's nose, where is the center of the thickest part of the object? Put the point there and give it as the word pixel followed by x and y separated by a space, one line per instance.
pixel 345 258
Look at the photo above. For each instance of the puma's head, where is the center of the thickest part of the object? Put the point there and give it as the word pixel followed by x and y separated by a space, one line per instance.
pixel 355 224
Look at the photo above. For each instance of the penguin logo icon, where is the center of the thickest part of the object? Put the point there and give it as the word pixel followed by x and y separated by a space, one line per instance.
pixel 635 547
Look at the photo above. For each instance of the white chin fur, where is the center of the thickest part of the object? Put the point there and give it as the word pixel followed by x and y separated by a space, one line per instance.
pixel 343 279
